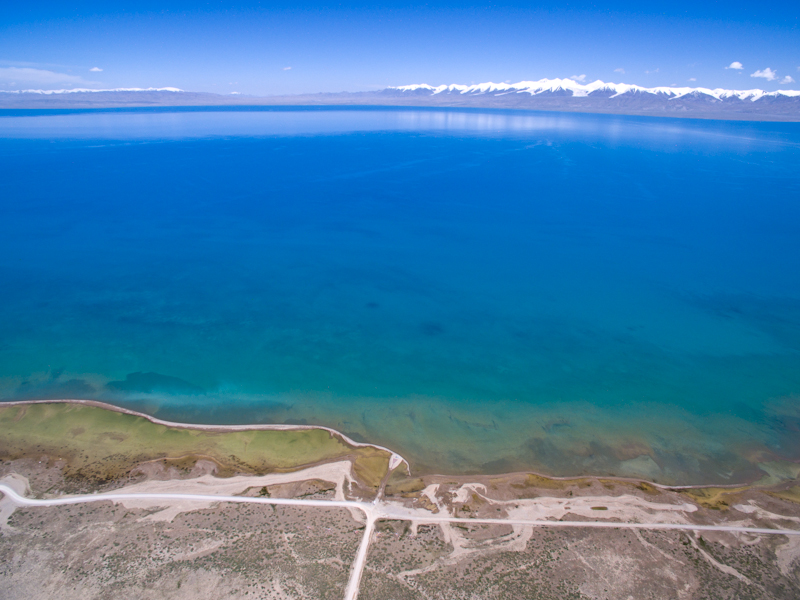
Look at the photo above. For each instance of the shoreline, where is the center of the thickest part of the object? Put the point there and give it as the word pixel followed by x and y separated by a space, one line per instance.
pixel 395 461
pixel 46 105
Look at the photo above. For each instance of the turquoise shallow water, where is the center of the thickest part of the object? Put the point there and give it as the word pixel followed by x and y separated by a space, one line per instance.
pixel 482 291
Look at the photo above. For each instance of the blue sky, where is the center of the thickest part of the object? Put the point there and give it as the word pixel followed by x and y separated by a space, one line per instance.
pixel 279 47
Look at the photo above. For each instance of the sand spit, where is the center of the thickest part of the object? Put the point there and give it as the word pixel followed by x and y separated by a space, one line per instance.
pixel 394 461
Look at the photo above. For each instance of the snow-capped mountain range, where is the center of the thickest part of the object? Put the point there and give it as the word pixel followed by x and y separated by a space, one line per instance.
pixel 561 95
pixel 596 88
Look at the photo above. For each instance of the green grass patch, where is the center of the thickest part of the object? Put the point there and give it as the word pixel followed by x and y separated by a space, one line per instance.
pixel 99 444
pixel 715 498
pixel 792 494
pixel 371 467
pixel 400 483
pixel 538 481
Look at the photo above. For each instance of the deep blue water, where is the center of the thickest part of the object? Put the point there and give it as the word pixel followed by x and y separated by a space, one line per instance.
pixel 483 291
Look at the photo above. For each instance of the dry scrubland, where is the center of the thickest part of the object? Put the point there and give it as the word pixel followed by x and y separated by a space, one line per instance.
pixel 109 552
pixel 562 564
pixel 103 550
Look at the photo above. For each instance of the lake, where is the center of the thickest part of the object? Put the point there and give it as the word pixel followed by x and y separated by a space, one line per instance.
pixel 482 291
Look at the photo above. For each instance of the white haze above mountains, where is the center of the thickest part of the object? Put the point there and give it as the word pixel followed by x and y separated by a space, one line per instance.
pixel 576 89
pixel 84 90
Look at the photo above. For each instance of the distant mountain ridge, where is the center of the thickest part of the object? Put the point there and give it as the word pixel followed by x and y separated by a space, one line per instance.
pixel 562 95
pixel 579 90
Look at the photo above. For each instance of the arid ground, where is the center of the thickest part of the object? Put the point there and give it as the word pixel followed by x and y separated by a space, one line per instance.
pixel 178 549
